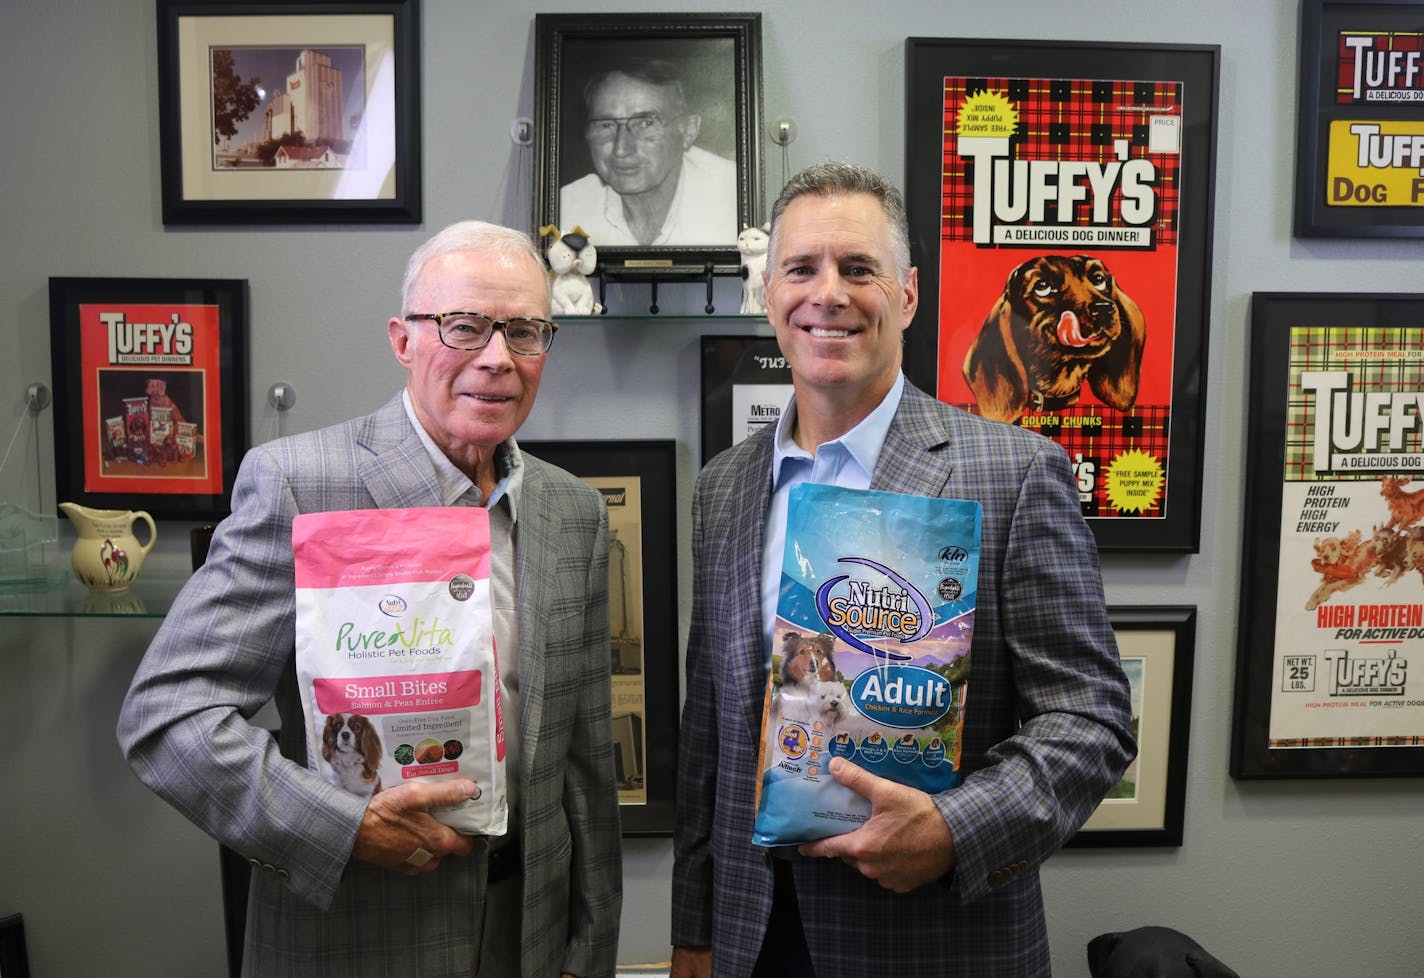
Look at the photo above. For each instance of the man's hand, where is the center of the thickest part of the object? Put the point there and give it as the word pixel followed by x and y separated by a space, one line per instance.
pixel 691 962
pixel 903 845
pixel 398 822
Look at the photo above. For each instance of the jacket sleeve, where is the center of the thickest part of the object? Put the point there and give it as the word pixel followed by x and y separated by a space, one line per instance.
pixel 698 761
pixel 1074 739
pixel 219 657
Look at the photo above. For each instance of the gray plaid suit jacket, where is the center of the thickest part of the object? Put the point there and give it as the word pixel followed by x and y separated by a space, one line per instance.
pixel 227 647
pixel 1043 653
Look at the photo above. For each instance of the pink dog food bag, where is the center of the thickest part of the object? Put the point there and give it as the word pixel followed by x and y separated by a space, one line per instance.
pixel 395 654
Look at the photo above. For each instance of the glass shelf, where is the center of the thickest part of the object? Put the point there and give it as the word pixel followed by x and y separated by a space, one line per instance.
pixel 150 596
pixel 644 315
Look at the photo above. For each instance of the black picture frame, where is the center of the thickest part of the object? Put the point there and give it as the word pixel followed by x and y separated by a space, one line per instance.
pixel 1157 644
pixel 717 58
pixel 108 343
pixel 1335 196
pixel 1322 576
pixel 611 467
pixel 365 169
pixel 745 384
pixel 1139 468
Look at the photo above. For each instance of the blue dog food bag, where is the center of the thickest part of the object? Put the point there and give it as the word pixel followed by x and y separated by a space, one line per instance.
pixel 871 656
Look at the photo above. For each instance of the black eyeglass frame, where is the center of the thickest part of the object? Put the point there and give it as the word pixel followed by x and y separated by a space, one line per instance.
pixel 438 318
pixel 625 124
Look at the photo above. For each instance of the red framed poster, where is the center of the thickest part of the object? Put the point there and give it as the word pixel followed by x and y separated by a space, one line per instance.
pixel 1060 210
pixel 150 392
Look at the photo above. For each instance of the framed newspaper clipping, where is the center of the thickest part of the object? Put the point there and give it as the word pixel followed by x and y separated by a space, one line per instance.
pixel 745 384
pixel 1332 582
pixel 638 482
pixel 1060 210
pixel 150 393
pixel 1360 119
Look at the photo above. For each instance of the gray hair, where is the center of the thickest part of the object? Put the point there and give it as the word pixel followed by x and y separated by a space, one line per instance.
pixel 832 179
pixel 657 72
pixel 468 236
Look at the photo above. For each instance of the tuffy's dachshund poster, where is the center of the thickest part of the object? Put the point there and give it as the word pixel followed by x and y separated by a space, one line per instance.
pixel 1058 269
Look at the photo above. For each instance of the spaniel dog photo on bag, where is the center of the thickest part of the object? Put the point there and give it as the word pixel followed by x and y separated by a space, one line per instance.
pixel 351 749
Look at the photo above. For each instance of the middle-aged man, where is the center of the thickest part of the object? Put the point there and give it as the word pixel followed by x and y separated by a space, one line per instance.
pixel 941 884
pixel 652 186
pixel 349 885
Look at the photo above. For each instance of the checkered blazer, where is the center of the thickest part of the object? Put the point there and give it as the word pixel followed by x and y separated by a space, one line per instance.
pixel 227 647
pixel 1043 653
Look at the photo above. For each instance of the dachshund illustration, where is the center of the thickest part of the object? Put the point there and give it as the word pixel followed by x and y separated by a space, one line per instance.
pixel 1061 321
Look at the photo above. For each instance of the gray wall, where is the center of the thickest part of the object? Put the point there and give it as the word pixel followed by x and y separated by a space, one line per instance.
pixel 1283 879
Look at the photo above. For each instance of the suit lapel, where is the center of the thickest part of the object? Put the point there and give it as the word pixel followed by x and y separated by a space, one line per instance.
pixel 396 469
pixel 534 553
pixel 750 500
pixel 916 458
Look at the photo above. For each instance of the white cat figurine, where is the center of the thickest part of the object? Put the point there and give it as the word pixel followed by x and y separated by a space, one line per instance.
pixel 752 244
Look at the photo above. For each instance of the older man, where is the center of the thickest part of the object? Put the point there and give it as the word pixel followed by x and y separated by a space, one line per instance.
pixel 942 884
pixel 346 889
pixel 652 186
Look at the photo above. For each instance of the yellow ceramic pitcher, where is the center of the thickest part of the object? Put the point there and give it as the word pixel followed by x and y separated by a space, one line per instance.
pixel 107 556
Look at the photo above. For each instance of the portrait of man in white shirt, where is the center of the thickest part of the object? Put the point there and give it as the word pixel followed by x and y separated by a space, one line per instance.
pixel 652 184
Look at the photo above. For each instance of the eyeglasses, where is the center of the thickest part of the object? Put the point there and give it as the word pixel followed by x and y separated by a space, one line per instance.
pixel 471 331
pixel 646 127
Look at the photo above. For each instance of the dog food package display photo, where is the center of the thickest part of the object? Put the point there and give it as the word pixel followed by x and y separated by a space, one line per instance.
pixel 395 654
pixel 871 654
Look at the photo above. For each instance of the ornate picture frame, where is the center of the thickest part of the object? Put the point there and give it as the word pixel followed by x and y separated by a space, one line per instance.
pixel 150 393
pixel 638 482
pixel 1147 807
pixel 1332 586
pixel 1120 142
pixel 289 113
pixel 705 70
pixel 1361 95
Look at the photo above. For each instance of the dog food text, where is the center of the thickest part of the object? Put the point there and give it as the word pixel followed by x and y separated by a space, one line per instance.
pixel 1028 189
pixel 170 342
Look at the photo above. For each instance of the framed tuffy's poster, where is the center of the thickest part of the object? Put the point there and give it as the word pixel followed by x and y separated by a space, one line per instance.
pixel 638 483
pixel 1332 585
pixel 1060 210
pixel 150 392
pixel 1360 119
pixel 1148 805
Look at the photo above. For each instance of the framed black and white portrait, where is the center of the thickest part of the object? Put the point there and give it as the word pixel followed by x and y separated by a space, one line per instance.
pixel 649 141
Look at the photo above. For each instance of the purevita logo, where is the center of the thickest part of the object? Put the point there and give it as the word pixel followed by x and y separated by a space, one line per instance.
pixel 899 612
